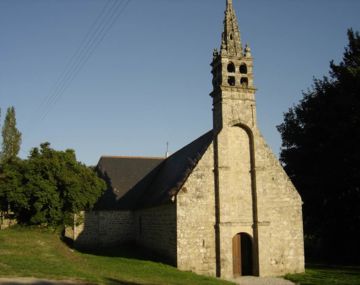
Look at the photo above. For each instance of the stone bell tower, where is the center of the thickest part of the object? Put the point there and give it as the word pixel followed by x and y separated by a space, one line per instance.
pixel 233 84
pixel 234 122
pixel 258 218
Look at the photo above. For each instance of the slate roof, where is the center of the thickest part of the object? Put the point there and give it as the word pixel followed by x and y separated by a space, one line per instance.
pixel 144 182
pixel 121 175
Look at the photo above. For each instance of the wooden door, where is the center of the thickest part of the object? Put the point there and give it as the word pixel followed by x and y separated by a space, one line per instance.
pixel 242 255
pixel 237 255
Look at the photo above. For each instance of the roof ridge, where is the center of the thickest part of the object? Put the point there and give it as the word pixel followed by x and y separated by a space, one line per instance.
pixel 138 157
pixel 188 156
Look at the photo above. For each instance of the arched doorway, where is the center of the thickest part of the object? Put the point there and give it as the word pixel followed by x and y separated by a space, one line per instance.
pixel 242 255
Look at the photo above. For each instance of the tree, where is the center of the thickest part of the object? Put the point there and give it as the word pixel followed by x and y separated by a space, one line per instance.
pixel 49 187
pixel 11 186
pixel 321 154
pixel 11 137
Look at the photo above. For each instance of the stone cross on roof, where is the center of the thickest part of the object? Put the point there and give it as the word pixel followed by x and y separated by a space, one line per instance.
pixel 231 42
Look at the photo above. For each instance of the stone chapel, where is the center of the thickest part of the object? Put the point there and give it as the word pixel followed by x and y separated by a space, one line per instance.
pixel 220 206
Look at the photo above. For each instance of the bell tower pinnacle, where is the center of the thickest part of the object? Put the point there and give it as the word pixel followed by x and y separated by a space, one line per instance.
pixel 233 87
pixel 231 42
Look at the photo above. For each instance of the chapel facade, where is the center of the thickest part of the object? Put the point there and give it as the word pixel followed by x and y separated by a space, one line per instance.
pixel 220 206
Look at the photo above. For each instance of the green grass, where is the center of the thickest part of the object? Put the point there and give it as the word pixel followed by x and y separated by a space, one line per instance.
pixel 322 275
pixel 38 253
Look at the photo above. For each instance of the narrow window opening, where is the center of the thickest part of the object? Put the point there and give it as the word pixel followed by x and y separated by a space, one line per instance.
pixel 243 69
pixel 231 80
pixel 244 82
pixel 231 67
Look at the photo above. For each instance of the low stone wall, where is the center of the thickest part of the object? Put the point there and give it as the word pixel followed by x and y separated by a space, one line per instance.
pixel 156 230
pixel 153 228
pixel 102 228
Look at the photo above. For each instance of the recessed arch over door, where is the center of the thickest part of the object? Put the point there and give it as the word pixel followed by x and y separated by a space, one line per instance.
pixel 242 254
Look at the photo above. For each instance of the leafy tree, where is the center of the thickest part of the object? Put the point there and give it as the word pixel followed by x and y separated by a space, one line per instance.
pixel 50 186
pixel 321 154
pixel 9 163
pixel 11 186
pixel 11 137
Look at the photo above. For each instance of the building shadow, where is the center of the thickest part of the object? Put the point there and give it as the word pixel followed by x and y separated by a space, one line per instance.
pixel 108 281
pixel 129 250
pixel 34 281
pixel 112 281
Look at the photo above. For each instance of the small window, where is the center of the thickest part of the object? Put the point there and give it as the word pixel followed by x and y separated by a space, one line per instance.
pixel 231 80
pixel 243 68
pixel 231 67
pixel 231 36
pixel 244 82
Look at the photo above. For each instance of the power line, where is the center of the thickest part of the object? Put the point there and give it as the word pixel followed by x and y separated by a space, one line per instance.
pixel 87 50
pixel 102 25
pixel 81 59
pixel 73 57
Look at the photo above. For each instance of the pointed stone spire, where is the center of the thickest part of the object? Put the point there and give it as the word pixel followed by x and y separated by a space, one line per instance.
pixel 233 79
pixel 231 42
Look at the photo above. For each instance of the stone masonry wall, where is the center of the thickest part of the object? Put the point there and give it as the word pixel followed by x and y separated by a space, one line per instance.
pixel 257 198
pixel 103 228
pixel 155 229
pixel 281 246
pixel 235 192
pixel 196 219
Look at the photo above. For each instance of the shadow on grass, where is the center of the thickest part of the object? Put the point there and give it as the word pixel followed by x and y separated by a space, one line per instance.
pixel 325 274
pixel 108 281
pixel 128 250
pixel 111 281
pixel 324 266
pixel 68 241
pixel 34 281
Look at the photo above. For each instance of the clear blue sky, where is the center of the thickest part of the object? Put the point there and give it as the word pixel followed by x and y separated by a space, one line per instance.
pixel 147 82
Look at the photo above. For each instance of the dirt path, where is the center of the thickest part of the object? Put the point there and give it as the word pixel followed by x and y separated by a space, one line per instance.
pixel 249 280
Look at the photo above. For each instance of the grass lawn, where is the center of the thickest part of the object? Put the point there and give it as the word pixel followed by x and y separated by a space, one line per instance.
pixel 38 253
pixel 322 275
